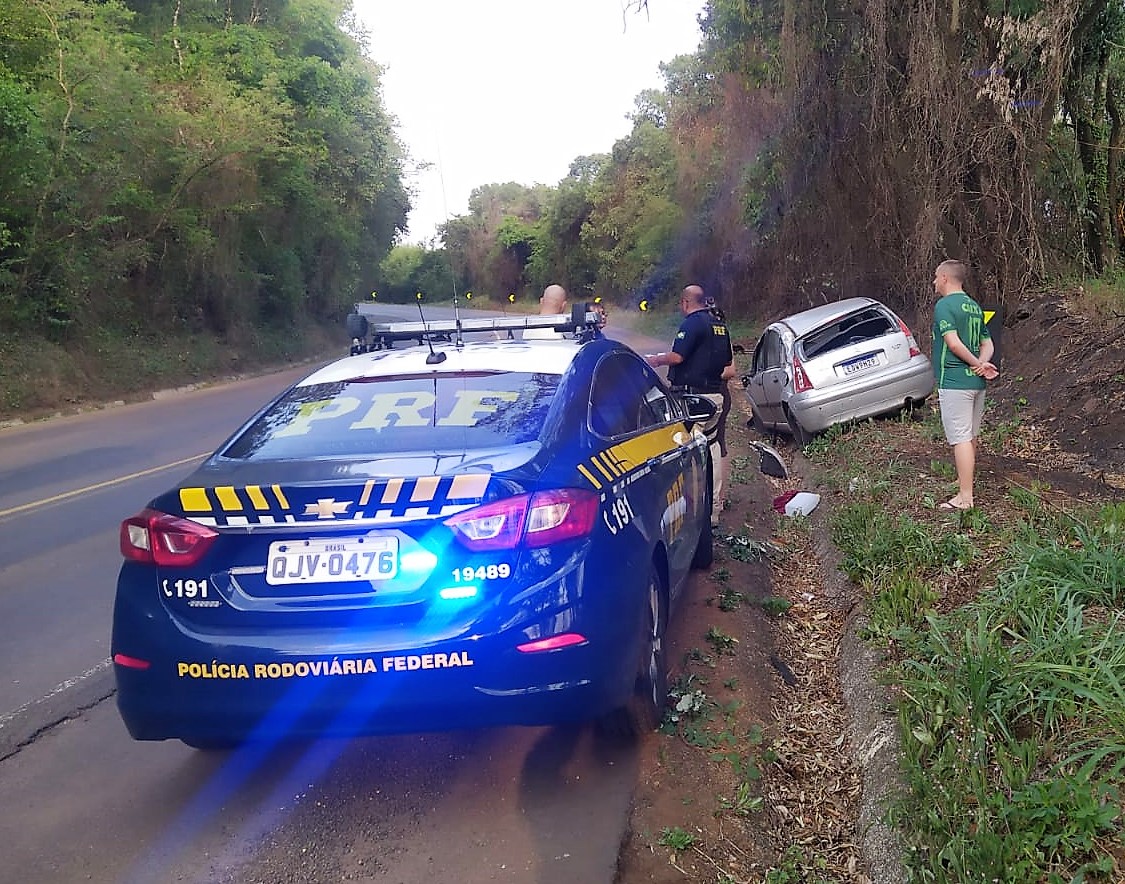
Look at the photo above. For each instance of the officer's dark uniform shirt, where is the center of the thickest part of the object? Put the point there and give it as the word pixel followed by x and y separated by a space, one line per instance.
pixel 704 343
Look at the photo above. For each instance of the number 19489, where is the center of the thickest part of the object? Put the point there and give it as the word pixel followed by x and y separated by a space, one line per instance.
pixel 482 572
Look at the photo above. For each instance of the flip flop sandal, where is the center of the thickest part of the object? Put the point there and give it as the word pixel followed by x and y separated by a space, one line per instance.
pixel 951 507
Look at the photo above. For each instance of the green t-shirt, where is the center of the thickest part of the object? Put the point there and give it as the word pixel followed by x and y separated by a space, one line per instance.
pixel 960 313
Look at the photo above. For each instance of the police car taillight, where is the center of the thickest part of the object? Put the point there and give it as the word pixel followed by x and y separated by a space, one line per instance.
pixel 496 525
pixel 562 514
pixel 157 538
pixel 531 520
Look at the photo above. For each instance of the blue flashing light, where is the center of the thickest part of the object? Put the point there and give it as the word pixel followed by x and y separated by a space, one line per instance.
pixel 459 592
pixel 417 562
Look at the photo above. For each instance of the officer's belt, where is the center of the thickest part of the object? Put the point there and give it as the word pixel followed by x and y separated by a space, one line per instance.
pixel 695 388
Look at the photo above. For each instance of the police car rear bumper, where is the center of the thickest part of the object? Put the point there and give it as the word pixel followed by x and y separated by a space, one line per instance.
pixel 231 694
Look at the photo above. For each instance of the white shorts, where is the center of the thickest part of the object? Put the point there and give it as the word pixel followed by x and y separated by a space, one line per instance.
pixel 961 413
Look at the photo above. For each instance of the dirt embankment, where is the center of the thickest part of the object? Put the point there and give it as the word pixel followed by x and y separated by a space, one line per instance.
pixel 1065 373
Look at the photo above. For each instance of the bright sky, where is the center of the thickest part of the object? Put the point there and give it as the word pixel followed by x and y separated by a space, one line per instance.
pixel 490 91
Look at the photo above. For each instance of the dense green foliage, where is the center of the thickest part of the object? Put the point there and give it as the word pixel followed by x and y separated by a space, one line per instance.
pixel 817 148
pixel 220 167
pixel 188 166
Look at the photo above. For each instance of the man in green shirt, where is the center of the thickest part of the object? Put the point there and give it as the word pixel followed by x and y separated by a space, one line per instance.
pixel 962 348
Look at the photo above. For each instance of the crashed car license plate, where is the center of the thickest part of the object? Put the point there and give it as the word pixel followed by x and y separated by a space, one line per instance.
pixel 332 561
pixel 861 364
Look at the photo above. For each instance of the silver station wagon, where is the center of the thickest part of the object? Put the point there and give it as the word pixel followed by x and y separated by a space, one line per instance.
pixel 839 362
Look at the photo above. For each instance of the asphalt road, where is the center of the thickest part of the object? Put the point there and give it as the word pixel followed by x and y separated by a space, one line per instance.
pixel 83 802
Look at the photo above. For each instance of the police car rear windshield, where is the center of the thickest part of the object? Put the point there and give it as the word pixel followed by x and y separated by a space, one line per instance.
pixel 369 417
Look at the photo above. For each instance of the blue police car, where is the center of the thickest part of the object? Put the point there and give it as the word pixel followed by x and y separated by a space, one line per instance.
pixel 418 538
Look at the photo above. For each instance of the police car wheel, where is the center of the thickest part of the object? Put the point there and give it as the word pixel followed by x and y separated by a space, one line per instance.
pixel 645 709
pixel 705 548
pixel 704 553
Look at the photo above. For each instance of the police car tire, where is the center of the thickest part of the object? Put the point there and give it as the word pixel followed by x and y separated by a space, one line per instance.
pixel 645 708
pixel 704 553
pixel 705 548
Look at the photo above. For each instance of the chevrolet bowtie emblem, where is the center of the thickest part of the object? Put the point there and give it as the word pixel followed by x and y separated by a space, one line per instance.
pixel 327 508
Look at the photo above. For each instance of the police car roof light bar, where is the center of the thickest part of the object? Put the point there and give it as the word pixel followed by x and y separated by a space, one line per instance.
pixel 406 330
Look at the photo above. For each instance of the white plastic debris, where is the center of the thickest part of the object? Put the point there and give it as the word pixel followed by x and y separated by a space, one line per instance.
pixel 802 503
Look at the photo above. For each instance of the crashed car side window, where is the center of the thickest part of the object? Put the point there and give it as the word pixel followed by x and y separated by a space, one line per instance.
pixel 369 417
pixel 769 352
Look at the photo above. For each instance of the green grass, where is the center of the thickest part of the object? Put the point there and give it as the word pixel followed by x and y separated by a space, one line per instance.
pixel 873 542
pixel 1012 706
pixel 677 839
pixel 104 364
pixel 721 641
pixel 775 605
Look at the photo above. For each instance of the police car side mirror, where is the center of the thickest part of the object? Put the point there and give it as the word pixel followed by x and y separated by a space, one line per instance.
pixel 700 410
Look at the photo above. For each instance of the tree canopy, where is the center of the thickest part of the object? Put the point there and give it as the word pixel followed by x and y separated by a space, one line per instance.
pixel 219 164
pixel 813 149
pixel 189 164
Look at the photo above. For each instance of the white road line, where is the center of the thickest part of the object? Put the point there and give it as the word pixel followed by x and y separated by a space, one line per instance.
pixel 8 717
pixel 67 494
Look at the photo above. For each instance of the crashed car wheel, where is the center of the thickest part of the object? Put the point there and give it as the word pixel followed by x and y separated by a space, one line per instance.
pixel 757 424
pixel 800 435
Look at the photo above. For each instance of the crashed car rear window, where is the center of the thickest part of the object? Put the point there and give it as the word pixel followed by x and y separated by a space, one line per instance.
pixel 851 329
pixel 373 416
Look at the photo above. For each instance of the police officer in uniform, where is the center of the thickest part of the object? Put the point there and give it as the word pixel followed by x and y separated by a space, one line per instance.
pixel 700 358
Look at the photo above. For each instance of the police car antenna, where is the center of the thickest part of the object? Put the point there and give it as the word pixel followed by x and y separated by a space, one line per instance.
pixel 436 357
pixel 459 340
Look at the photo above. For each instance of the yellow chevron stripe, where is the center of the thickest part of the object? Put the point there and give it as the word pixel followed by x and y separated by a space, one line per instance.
pixel 585 472
pixel 425 488
pixel 643 448
pixel 468 485
pixel 195 500
pixel 612 462
pixel 391 492
pixel 367 489
pixel 228 499
pixel 280 496
pixel 257 498
pixel 621 464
